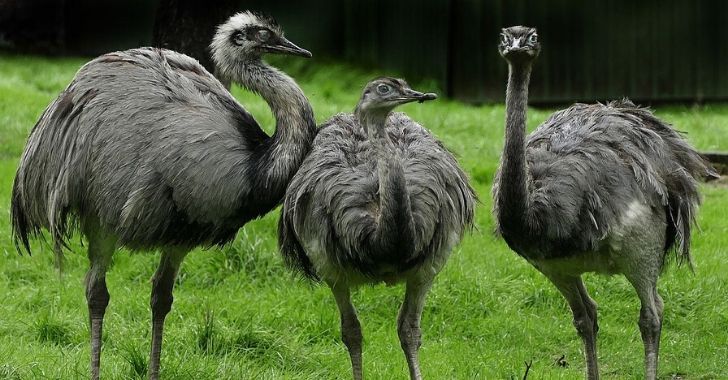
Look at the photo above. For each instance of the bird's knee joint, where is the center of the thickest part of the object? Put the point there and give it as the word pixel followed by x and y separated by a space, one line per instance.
pixel 408 343
pixel 161 300
pixel 161 304
pixel 592 307
pixel 351 325
pixel 351 339
pixel 351 333
pixel 649 322
pixel 584 326
pixel 409 335
pixel 97 296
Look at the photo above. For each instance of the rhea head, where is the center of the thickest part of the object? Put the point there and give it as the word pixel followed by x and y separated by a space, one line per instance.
pixel 245 37
pixel 519 44
pixel 382 95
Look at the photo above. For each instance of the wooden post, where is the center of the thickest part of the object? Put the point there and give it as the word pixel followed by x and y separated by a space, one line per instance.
pixel 719 160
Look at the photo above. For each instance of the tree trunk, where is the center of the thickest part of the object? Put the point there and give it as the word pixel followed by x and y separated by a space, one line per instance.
pixel 187 26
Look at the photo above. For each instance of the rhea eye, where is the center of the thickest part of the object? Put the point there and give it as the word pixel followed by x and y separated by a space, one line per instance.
pixel 238 38
pixel 383 89
pixel 533 38
pixel 263 35
pixel 504 39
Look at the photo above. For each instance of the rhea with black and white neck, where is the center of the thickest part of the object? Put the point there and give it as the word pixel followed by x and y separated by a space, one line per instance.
pixel 378 199
pixel 595 188
pixel 147 150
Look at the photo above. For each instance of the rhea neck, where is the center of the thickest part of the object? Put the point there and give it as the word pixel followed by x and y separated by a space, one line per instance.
pixel 395 225
pixel 290 107
pixel 295 125
pixel 513 200
pixel 374 121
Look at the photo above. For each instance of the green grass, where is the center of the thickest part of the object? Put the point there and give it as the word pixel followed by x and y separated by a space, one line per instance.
pixel 239 314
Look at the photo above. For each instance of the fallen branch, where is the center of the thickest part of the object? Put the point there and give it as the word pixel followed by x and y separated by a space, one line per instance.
pixel 528 368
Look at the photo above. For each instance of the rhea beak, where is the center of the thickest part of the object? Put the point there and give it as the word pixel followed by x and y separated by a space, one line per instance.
pixel 518 47
pixel 416 96
pixel 283 46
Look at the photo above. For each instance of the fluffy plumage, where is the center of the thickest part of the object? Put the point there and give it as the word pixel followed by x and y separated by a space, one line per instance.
pixel 576 202
pixel 378 199
pixel 332 202
pixel 146 149
pixel 596 188
pixel 141 162
pixel 169 158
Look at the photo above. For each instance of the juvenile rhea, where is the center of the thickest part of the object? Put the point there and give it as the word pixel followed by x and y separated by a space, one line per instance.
pixel 596 188
pixel 145 149
pixel 378 199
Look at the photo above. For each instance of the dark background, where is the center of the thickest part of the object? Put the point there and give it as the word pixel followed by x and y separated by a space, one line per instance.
pixel 653 51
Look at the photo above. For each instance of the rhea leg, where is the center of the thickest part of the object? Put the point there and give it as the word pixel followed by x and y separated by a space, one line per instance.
pixel 408 323
pixel 350 327
pixel 591 306
pixel 650 321
pixel 161 301
pixel 100 251
pixel 585 317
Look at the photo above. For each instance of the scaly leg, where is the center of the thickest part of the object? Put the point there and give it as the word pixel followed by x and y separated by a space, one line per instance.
pixel 350 327
pixel 408 323
pixel 650 321
pixel 585 317
pixel 591 306
pixel 161 301
pixel 100 250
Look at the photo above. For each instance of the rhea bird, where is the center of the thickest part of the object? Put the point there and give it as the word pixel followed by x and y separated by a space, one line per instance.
pixel 596 188
pixel 378 199
pixel 145 149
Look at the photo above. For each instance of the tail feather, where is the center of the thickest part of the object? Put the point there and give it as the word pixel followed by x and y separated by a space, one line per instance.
pixel 681 184
pixel 22 230
pixel 683 202
pixel 47 184
pixel 290 247
pixel 681 168
pixel 683 193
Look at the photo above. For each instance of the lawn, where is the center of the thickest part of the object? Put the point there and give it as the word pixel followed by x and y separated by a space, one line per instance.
pixel 239 314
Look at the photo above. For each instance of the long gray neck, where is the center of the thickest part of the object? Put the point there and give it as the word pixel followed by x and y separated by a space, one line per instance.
pixel 395 226
pixel 513 203
pixel 295 124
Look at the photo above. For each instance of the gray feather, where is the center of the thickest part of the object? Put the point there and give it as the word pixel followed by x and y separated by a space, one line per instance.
pixel 333 198
pixel 157 150
pixel 618 152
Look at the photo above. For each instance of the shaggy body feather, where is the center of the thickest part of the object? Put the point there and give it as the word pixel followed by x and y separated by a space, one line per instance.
pixel 176 160
pixel 146 149
pixel 338 183
pixel 573 204
pixel 378 199
pixel 596 188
